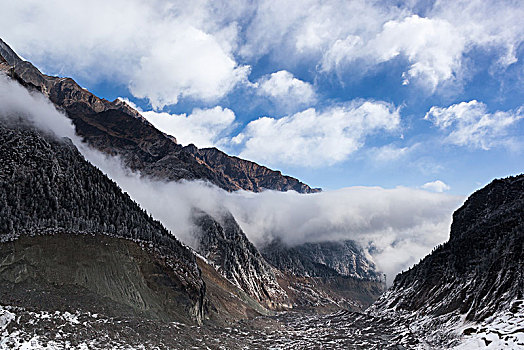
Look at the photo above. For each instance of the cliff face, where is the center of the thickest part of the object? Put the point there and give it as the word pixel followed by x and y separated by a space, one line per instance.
pixel 479 272
pixel 224 245
pixel 116 128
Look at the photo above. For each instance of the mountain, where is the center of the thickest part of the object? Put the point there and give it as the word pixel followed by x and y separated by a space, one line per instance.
pixel 224 245
pixel 478 275
pixel 321 259
pixel 69 233
pixel 117 129
pixel 325 274
pixel 70 240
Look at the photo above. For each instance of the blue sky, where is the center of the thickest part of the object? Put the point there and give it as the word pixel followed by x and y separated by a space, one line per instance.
pixel 337 93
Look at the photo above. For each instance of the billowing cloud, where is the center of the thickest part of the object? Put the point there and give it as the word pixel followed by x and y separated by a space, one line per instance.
pixel 341 35
pixel 436 186
pixel 190 63
pixel 398 225
pixel 287 90
pixel 162 51
pixel 470 124
pixel 314 138
pixel 432 47
pixel 203 127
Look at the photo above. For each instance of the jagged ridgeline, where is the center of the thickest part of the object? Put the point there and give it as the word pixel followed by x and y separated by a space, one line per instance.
pixel 48 188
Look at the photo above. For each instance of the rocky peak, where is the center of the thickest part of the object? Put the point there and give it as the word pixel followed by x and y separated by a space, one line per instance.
pixel 8 55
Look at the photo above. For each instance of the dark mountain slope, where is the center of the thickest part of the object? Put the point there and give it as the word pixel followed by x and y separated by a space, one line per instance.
pixel 480 270
pixel 116 128
pixel 46 187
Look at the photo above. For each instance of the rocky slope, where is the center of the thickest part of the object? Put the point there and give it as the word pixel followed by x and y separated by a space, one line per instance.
pixel 478 274
pixel 321 259
pixel 325 275
pixel 224 245
pixel 115 128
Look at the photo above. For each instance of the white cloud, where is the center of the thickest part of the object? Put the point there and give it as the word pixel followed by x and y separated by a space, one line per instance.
pixel 432 47
pixel 314 138
pixel 167 50
pixel 162 51
pixel 203 127
pixel 436 186
pixel 293 31
pixel 486 24
pixel 287 90
pixel 470 124
pixel 190 63
pixel 356 35
pixel 389 153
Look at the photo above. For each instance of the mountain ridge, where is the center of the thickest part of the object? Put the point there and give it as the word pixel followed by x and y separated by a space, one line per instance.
pixel 118 129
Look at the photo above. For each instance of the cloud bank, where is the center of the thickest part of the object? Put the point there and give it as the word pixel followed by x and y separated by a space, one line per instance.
pixel 398 226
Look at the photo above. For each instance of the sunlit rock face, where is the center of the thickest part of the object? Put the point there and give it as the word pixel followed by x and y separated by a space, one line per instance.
pixel 344 258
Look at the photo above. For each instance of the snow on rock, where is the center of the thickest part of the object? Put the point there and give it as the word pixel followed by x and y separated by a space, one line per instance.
pixel 502 331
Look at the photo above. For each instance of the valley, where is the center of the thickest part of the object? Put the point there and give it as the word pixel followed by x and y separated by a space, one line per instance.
pixel 85 266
